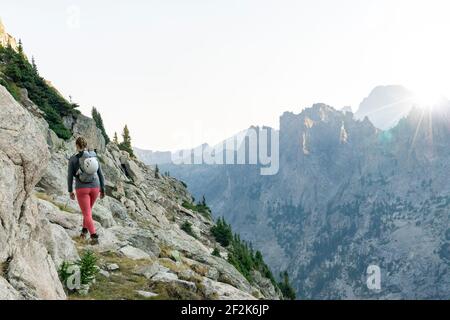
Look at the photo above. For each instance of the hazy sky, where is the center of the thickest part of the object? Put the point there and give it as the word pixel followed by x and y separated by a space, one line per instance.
pixel 184 72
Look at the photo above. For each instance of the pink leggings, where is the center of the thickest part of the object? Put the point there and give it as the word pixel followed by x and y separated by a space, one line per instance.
pixel 86 198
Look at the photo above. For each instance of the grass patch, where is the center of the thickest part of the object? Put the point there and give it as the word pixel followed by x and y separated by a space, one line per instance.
pixel 12 88
pixel 166 252
pixel 121 285
pixel 200 269
pixel 4 268
pixel 170 291
pixel 172 265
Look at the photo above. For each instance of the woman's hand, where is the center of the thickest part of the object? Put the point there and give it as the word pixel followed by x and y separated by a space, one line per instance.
pixel 102 195
pixel 72 195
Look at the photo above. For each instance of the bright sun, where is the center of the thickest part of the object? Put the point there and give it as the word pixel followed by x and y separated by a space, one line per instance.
pixel 427 97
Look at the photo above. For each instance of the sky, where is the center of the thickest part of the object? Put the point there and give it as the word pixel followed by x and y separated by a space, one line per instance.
pixel 183 72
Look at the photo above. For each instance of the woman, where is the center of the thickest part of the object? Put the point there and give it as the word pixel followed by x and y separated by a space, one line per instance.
pixel 88 191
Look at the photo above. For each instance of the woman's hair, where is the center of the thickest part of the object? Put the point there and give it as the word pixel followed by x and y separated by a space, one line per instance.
pixel 81 143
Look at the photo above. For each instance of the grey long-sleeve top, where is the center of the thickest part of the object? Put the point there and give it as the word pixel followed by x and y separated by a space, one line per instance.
pixel 74 165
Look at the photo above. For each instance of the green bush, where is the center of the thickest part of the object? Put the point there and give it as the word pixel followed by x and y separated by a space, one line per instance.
pixel 88 267
pixel 187 227
pixel 216 253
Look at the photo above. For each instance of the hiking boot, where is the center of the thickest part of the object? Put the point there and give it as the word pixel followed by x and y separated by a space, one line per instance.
pixel 83 235
pixel 94 239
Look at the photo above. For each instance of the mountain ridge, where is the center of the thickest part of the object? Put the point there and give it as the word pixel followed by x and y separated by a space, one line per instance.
pixel 348 195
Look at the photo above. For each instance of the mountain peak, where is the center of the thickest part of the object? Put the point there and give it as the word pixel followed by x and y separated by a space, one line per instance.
pixel 386 105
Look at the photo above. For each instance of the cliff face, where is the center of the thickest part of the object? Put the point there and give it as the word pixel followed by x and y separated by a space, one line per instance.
pixel 347 196
pixel 138 221
pixel 27 267
pixel 5 38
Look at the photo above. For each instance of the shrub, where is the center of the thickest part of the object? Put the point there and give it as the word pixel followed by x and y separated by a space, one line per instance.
pixel 88 267
pixel 187 227
pixel 216 253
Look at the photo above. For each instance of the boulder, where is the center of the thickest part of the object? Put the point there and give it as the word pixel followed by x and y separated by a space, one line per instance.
pixel 103 216
pixel 146 294
pixel 7 292
pixel 86 127
pixel 134 253
pixel 112 267
pixel 139 238
pixel 173 279
pixel 224 291
pixel 131 168
pixel 104 273
pixel 69 221
pixel 24 155
pixel 150 270
pixel 61 246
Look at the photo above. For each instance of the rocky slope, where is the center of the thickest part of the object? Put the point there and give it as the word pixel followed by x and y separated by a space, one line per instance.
pixel 347 196
pixel 141 242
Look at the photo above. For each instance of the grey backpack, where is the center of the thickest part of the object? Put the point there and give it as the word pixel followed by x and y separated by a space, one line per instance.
pixel 88 167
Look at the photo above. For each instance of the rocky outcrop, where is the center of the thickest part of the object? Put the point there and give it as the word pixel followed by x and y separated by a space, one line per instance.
pixel 5 38
pixel 28 270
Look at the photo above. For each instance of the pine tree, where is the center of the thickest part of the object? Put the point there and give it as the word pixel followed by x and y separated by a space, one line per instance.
pixel 99 122
pixel 125 145
pixel 20 47
pixel 285 286
pixel 116 139
pixel 222 232
pixel 203 203
pixel 33 64
pixel 157 172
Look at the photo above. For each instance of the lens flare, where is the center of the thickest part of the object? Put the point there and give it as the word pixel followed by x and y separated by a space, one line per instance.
pixel 427 98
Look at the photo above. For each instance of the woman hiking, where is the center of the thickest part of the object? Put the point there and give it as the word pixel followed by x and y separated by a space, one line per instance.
pixel 89 183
